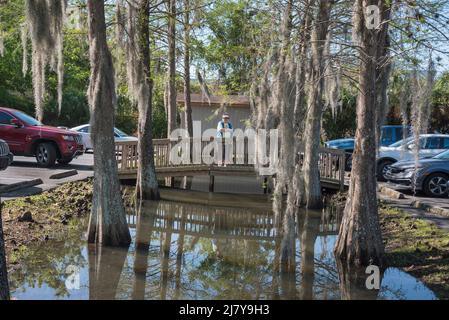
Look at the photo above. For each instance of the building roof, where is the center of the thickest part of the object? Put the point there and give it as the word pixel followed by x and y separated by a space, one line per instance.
pixel 199 99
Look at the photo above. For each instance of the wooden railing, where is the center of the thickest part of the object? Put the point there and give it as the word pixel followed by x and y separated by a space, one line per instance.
pixel 331 161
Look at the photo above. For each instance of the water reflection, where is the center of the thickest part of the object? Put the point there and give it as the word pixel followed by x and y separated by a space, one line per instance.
pixel 184 251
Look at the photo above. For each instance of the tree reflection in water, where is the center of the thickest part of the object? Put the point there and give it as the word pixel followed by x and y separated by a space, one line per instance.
pixel 144 226
pixel 105 268
pixel 184 251
pixel 353 283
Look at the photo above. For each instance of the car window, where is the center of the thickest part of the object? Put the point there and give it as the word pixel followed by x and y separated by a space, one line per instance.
pixel 411 143
pixel 27 119
pixel 433 143
pixel 84 129
pixel 401 142
pixel 119 133
pixel 446 143
pixel 5 118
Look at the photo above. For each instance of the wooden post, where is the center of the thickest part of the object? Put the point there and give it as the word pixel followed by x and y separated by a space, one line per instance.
pixel 342 171
pixel 211 183
pixel 265 185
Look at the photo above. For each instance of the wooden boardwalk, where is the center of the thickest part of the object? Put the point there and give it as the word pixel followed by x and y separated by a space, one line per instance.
pixel 331 164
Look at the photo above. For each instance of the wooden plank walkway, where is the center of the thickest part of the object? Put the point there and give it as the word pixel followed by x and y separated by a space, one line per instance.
pixel 331 163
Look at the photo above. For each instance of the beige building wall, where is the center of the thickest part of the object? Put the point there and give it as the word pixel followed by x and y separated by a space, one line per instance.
pixel 209 116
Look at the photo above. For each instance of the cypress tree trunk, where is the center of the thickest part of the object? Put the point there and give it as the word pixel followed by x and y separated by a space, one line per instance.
pixel 147 185
pixel 359 241
pixel 4 286
pixel 187 99
pixel 171 94
pixel 107 225
pixel 314 107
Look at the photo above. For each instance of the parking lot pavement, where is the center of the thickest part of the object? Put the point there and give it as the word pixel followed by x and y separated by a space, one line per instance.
pixel 410 196
pixel 24 168
pixel 408 204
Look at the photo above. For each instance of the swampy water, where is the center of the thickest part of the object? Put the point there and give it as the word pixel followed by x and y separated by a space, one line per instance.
pixel 186 251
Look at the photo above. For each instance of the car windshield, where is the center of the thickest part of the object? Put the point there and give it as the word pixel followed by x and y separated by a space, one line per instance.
pixel 443 155
pixel 27 119
pixel 120 133
pixel 401 142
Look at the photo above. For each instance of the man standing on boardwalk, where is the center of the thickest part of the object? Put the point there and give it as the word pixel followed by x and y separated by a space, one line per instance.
pixel 224 135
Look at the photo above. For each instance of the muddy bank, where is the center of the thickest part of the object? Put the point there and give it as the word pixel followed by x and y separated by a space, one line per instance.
pixel 44 217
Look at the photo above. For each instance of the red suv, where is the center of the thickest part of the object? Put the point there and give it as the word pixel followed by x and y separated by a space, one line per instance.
pixel 28 137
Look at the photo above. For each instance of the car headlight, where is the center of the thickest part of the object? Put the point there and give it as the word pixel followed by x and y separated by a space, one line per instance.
pixel 68 138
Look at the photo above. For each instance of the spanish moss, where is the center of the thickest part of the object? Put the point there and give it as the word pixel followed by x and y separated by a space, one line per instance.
pixel 24 39
pixel 45 19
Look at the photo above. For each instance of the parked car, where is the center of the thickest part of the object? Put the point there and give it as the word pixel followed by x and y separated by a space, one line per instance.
pixel 28 137
pixel 84 131
pixel 428 175
pixel 430 145
pixel 389 134
pixel 6 156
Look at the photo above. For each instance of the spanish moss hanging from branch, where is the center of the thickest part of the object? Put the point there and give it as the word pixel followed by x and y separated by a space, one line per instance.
pixel 45 20
pixel 24 39
pixel 2 44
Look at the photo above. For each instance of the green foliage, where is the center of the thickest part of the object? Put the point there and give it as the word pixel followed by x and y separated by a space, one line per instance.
pixel 344 123
pixel 440 105
pixel 227 48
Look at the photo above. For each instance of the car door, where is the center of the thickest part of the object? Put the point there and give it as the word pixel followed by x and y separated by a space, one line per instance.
pixel 14 136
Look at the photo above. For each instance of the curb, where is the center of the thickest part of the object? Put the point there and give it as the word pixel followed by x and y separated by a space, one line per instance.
pixel 20 185
pixel 64 174
pixel 391 193
pixel 432 209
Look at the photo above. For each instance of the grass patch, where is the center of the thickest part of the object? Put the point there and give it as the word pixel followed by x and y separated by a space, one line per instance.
pixel 418 247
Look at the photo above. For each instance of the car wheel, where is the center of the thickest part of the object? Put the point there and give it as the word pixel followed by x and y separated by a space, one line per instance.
pixel 64 161
pixel 46 154
pixel 381 168
pixel 436 185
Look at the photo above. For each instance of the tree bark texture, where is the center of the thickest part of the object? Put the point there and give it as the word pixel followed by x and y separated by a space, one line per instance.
pixel 107 224
pixel 359 241
pixel 4 286
pixel 147 185
pixel 171 94
pixel 315 106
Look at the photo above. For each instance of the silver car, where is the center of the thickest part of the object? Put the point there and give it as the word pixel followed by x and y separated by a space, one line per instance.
pixel 429 175
pixel 84 131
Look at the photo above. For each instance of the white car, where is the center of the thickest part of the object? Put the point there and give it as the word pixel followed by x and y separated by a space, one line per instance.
pixel 84 131
pixel 403 150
